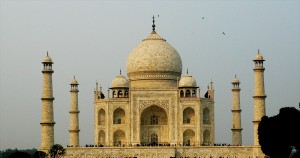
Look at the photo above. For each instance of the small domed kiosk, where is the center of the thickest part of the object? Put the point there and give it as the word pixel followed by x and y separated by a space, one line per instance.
pixel 120 86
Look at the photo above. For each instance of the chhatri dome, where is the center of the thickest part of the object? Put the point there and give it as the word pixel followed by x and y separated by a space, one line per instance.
pixel 119 81
pixel 187 81
pixel 47 59
pixel 74 81
pixel 154 58
pixel 258 56
pixel 235 80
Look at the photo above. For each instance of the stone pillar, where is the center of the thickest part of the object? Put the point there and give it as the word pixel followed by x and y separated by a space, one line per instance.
pixel 47 123
pixel 211 91
pixel 211 94
pixel 74 115
pixel 259 94
pixel 236 113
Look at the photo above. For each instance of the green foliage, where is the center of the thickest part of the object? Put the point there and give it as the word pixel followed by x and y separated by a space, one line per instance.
pixel 20 154
pixel 56 151
pixel 39 154
pixel 8 152
pixel 279 133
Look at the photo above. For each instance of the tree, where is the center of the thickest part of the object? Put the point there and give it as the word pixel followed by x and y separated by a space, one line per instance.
pixel 39 154
pixel 20 154
pixel 278 134
pixel 8 152
pixel 56 151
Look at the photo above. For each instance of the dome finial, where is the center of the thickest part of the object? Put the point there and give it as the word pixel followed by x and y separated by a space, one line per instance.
pixel 74 77
pixel 47 53
pixel 187 71
pixel 120 71
pixel 153 25
pixel 258 51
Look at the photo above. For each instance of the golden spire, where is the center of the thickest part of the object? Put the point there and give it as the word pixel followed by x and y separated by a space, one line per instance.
pixel 153 25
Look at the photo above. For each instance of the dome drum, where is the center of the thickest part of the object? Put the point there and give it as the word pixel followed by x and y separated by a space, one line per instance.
pixel 153 75
pixel 153 84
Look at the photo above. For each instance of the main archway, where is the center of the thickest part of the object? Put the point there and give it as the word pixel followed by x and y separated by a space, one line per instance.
pixel 154 126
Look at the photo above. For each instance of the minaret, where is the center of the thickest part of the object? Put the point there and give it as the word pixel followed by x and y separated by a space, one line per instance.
pixel 211 90
pixel 236 113
pixel 259 94
pixel 74 115
pixel 47 122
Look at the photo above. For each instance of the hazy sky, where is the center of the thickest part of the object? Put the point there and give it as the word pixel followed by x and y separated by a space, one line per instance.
pixel 92 40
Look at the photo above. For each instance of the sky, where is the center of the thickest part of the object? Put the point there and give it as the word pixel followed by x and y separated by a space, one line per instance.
pixel 92 40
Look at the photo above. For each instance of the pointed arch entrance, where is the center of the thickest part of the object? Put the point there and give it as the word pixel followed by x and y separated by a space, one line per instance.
pixel 206 137
pixel 154 126
pixel 188 137
pixel 101 138
pixel 119 138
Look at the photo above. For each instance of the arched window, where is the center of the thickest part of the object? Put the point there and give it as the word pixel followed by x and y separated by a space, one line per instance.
pixel 206 137
pixel 119 138
pixel 120 94
pixel 101 117
pixel 188 137
pixel 154 120
pixel 101 138
pixel 187 93
pixel 188 116
pixel 206 116
pixel 181 93
pixel 194 93
pixel 126 94
pixel 154 139
pixel 119 116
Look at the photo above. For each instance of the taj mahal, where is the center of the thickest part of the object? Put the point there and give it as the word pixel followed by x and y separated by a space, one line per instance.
pixel 156 111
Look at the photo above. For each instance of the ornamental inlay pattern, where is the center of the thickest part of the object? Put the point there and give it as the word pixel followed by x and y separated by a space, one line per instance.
pixel 119 106
pixel 184 106
pixel 143 104
pixel 123 129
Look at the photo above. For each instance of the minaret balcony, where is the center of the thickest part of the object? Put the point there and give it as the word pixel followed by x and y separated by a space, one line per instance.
pixel 74 90
pixel 48 98
pixel 260 96
pixel 47 123
pixel 236 129
pixel 74 112
pixel 47 71
pixel 74 130
pixel 259 68
pixel 236 110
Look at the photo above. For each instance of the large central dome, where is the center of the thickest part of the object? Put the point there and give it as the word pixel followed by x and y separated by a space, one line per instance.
pixel 154 58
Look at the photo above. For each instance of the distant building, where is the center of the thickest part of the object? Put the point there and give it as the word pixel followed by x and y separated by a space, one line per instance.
pixel 155 112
